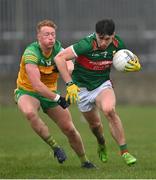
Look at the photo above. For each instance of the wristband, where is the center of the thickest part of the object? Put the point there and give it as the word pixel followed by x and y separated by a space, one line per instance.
pixel 56 98
pixel 69 83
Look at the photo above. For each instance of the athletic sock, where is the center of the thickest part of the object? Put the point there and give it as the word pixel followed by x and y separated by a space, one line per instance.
pixel 83 158
pixel 123 149
pixel 51 141
pixel 102 145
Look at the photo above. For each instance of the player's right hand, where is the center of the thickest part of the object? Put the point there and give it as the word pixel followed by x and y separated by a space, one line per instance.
pixel 72 93
pixel 63 103
pixel 133 65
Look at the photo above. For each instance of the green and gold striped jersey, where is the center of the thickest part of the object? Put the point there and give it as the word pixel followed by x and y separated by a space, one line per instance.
pixel 34 55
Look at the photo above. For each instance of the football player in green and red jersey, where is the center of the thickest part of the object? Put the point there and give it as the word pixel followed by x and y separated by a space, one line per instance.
pixel 37 87
pixel 90 84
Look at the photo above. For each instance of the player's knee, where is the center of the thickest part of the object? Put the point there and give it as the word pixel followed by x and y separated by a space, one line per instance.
pixel 96 125
pixel 30 115
pixel 70 132
pixel 109 111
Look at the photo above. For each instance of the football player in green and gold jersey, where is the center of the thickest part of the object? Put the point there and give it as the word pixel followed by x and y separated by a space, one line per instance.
pixel 37 87
pixel 90 83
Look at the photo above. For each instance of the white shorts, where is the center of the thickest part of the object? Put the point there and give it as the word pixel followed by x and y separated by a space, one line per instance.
pixel 87 98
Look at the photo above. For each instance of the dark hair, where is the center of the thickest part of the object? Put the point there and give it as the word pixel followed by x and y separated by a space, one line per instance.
pixel 105 27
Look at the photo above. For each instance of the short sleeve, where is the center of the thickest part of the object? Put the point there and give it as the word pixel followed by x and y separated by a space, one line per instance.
pixel 30 57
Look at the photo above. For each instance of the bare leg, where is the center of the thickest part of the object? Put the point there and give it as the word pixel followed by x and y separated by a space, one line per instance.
pixel 95 124
pixel 106 102
pixel 63 119
pixel 29 106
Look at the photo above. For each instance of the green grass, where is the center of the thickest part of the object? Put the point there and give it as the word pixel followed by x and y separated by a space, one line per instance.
pixel 24 155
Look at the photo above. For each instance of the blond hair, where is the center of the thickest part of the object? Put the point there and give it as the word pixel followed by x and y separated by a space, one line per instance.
pixel 45 22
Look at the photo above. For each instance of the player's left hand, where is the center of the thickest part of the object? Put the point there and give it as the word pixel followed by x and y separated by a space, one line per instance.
pixel 133 65
pixel 72 93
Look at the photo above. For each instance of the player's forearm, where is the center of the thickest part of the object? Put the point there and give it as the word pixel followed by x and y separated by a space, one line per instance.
pixel 62 67
pixel 70 66
pixel 44 91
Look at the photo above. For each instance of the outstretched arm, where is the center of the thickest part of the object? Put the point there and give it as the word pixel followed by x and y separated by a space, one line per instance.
pixel 60 60
pixel 34 77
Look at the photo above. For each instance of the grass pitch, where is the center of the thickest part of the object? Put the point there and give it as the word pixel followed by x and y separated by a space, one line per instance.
pixel 24 155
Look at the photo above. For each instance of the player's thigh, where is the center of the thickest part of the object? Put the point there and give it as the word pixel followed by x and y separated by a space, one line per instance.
pixel 28 104
pixel 61 117
pixel 106 100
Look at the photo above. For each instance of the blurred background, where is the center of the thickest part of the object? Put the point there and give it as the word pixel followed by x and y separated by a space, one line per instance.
pixel 135 23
